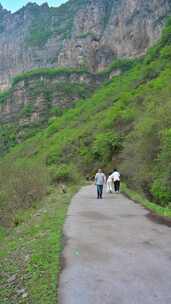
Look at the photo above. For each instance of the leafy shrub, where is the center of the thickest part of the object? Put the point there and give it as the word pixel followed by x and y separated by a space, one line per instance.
pixel 165 53
pixel 53 155
pixel 152 54
pixel 161 191
pixel 152 70
pixel 161 187
pixel 106 145
pixel 166 35
pixel 56 111
pixel 63 173
pixel 20 186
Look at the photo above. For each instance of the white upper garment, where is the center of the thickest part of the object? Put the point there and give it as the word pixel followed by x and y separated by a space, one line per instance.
pixel 115 176
pixel 110 180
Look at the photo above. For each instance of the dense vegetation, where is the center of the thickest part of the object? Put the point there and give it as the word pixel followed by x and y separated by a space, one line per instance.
pixel 125 123
pixel 47 91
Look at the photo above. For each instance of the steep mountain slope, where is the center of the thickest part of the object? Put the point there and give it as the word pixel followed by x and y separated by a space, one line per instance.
pixel 79 33
pixel 58 125
pixel 125 123
pixel 40 94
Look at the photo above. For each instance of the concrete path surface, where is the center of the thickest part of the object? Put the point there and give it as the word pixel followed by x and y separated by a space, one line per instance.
pixel 114 254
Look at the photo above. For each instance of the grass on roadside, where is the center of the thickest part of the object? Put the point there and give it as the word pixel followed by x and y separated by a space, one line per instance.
pixel 30 253
pixel 147 204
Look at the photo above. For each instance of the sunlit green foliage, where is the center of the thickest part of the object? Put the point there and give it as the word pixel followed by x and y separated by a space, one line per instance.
pixel 125 123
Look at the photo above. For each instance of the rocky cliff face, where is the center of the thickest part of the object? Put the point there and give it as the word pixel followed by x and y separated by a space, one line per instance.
pixel 36 98
pixel 33 101
pixel 79 33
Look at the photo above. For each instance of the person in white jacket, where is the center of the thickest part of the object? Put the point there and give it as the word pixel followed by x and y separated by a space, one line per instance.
pixel 110 184
pixel 116 179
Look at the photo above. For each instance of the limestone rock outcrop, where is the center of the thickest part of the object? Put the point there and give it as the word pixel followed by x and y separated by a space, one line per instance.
pixel 87 33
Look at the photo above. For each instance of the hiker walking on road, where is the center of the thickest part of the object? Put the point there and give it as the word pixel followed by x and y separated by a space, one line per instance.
pixel 116 179
pixel 100 180
pixel 110 185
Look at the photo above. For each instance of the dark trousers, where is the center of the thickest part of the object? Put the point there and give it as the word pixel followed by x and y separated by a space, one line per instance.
pixel 117 185
pixel 99 191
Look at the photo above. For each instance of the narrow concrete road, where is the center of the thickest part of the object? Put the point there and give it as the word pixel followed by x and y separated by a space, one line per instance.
pixel 114 254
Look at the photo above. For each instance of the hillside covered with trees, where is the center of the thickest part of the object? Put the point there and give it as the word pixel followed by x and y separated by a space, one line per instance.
pixel 125 123
pixel 119 117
